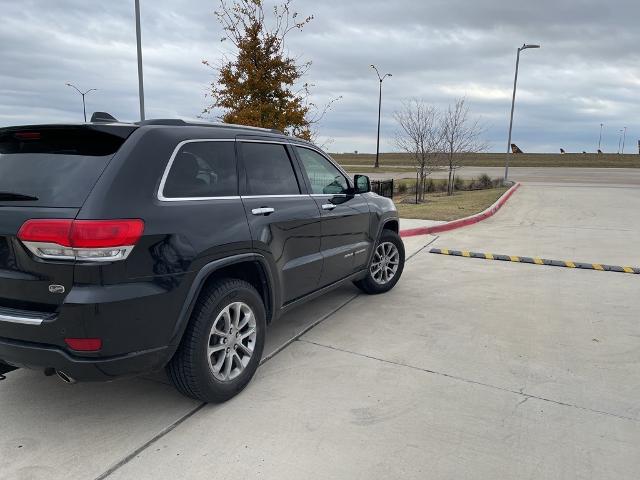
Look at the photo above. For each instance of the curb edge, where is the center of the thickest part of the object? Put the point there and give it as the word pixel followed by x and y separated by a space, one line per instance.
pixel 463 222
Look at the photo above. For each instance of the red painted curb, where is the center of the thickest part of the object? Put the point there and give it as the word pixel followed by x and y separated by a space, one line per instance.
pixel 462 222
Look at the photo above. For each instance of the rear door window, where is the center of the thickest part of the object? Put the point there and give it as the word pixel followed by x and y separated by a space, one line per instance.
pixel 54 167
pixel 203 170
pixel 268 169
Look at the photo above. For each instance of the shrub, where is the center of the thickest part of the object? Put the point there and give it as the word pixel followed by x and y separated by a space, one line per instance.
pixel 441 186
pixel 498 182
pixel 402 187
pixel 485 181
pixel 429 185
pixel 458 183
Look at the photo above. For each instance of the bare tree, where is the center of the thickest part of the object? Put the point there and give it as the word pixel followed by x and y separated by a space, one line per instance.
pixel 461 134
pixel 420 136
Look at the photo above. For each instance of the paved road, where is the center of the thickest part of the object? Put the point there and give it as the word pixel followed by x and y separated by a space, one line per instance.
pixel 468 369
pixel 599 176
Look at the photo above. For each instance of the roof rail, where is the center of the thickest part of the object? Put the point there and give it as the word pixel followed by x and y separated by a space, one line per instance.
pixel 180 122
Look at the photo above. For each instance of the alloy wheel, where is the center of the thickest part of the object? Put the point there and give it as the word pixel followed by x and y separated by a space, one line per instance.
pixel 385 263
pixel 231 341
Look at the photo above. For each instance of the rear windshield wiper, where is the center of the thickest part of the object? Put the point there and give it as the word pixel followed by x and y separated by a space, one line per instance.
pixel 17 197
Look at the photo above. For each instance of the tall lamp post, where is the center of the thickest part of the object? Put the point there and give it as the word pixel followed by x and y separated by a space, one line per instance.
pixel 84 107
pixel 140 79
pixel 377 164
pixel 619 140
pixel 624 138
pixel 600 138
pixel 513 103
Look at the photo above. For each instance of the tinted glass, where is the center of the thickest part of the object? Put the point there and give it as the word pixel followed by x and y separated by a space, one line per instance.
pixel 203 169
pixel 324 177
pixel 269 169
pixel 55 167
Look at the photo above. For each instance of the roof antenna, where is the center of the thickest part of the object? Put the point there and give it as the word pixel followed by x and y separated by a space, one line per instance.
pixel 103 117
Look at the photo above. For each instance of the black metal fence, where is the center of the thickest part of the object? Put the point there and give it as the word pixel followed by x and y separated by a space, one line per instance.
pixel 383 188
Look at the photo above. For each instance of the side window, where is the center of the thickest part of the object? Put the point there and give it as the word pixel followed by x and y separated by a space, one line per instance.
pixel 203 169
pixel 268 169
pixel 324 177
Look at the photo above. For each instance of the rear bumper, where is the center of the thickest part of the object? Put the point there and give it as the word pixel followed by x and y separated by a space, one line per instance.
pixel 39 357
pixel 135 321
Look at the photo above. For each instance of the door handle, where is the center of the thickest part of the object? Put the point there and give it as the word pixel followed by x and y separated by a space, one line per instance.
pixel 263 211
pixel 328 206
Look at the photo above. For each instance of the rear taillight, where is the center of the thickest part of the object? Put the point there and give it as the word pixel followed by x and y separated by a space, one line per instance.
pixel 88 240
pixel 84 344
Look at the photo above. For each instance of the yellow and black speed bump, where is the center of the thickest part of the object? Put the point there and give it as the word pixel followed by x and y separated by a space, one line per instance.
pixel 536 261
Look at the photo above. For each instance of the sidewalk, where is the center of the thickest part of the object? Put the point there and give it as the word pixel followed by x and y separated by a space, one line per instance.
pixel 408 223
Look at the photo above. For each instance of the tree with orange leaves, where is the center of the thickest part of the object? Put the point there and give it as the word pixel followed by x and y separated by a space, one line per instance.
pixel 259 86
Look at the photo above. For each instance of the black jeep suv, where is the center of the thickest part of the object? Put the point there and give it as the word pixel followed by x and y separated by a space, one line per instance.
pixel 126 248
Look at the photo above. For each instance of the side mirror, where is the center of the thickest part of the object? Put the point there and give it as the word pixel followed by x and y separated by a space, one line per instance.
pixel 362 183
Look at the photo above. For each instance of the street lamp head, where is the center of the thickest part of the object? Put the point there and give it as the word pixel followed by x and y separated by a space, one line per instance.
pixel 525 46
pixel 389 75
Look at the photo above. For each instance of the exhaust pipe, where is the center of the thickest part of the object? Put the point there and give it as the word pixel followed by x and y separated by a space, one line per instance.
pixel 65 378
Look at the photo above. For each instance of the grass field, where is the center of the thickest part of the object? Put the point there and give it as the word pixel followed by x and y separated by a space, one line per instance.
pixel 439 206
pixel 498 160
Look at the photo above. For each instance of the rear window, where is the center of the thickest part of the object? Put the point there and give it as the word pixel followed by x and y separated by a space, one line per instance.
pixel 203 170
pixel 53 167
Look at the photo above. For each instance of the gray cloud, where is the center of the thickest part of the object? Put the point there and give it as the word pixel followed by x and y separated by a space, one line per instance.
pixel 586 73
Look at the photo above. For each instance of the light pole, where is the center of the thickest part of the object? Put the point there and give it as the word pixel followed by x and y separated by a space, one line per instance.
pixel 600 139
pixel 140 79
pixel 624 138
pixel 377 164
pixel 619 140
pixel 513 103
pixel 84 108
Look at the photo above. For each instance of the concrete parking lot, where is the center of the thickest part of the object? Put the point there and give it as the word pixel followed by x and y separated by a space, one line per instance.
pixel 469 368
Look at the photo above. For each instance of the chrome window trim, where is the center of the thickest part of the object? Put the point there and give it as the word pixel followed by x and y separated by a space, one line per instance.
pixel 251 140
pixel 160 194
pixel 293 195
pixel 167 169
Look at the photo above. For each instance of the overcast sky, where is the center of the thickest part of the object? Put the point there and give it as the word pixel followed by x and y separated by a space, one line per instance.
pixel 586 73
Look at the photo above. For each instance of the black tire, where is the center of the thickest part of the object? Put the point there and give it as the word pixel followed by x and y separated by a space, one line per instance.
pixel 368 284
pixel 189 369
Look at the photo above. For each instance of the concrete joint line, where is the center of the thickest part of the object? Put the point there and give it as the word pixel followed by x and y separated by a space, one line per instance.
pixel 475 382
pixel 195 410
pixel 537 261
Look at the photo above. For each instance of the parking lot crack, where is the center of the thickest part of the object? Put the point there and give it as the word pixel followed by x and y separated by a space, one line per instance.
pixel 265 359
pixel 422 248
pixel 520 392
